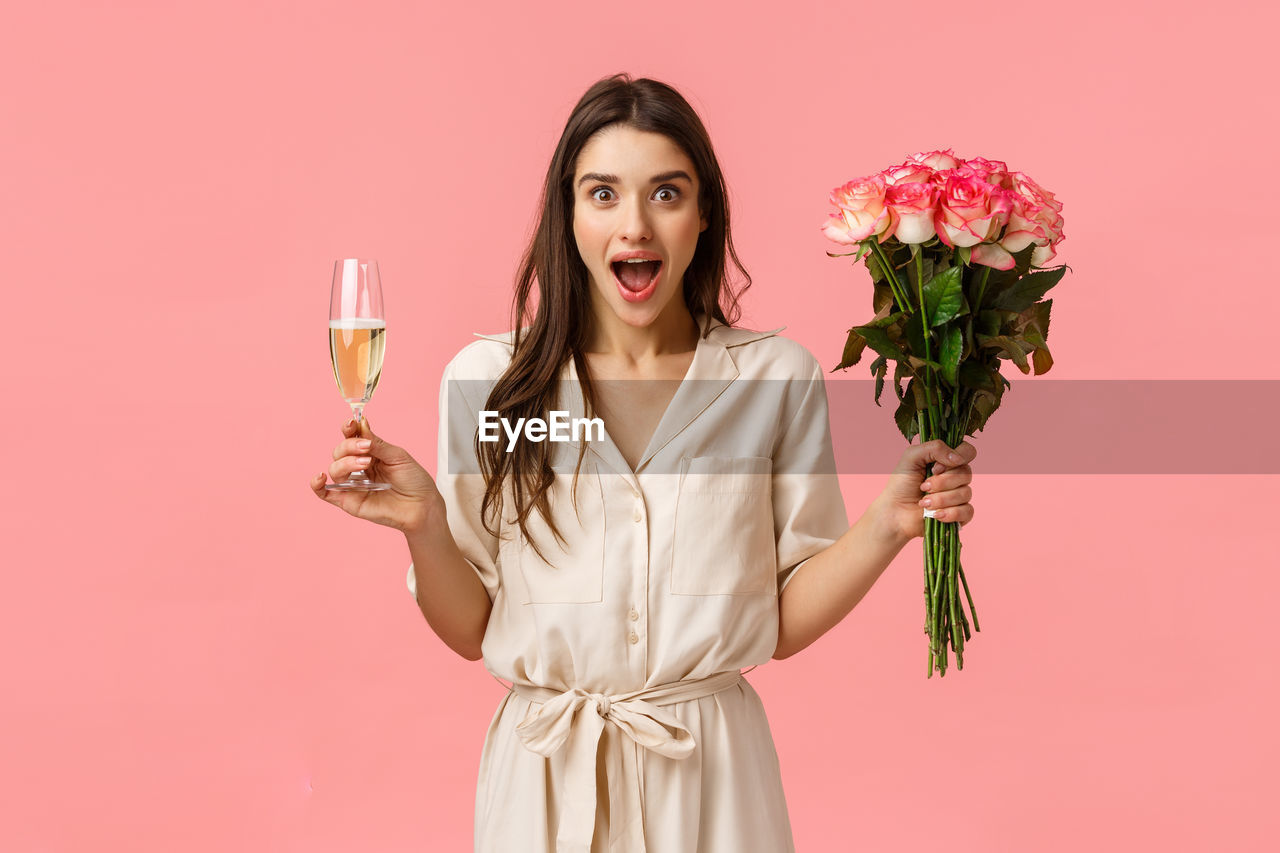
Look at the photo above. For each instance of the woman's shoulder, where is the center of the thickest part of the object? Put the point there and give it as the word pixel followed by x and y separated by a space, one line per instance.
pixel 485 358
pixel 767 352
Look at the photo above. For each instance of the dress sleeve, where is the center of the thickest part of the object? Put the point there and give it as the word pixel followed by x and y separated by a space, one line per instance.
pixel 808 508
pixel 459 479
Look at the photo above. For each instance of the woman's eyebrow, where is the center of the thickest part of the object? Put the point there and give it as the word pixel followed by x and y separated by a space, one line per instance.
pixel 613 179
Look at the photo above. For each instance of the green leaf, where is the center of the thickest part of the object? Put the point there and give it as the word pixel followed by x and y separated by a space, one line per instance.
pixel 916 336
pixel 974 375
pixel 943 296
pixel 1022 260
pixel 1041 360
pixel 883 335
pixel 881 299
pixel 853 347
pixel 1027 291
pixel 878 369
pixel 920 392
pixel 983 406
pixel 880 341
pixel 988 322
pixel 901 371
pixel 1037 316
pixel 952 345
pixel 927 269
pixel 905 417
pixel 995 282
pixel 1011 347
pixel 873 267
pixel 919 364
pixel 1011 323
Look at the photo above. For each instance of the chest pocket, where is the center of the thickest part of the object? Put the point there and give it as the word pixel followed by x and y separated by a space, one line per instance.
pixel 723 539
pixel 573 572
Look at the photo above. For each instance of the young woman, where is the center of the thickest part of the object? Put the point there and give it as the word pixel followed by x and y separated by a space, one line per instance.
pixel 621 582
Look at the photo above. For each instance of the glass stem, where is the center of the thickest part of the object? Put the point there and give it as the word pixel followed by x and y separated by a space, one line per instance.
pixel 357 411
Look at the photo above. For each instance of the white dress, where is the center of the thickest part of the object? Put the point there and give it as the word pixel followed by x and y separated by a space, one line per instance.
pixel 629 726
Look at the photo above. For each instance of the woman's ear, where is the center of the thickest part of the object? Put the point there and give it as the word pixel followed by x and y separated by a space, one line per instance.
pixel 703 226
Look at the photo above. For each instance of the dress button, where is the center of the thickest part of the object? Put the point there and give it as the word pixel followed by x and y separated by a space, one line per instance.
pixel 638 515
pixel 634 615
pixel 634 639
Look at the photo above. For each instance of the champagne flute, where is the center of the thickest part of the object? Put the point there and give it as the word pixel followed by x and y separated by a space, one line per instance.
pixel 357 342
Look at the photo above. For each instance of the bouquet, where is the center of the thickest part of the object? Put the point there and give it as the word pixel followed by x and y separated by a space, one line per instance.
pixel 956 251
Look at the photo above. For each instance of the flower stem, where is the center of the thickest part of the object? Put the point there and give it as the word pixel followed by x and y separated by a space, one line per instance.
pixel 982 287
pixel 898 292
pixel 930 379
pixel 972 609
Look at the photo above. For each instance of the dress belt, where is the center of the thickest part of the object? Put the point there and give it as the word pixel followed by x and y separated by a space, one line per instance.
pixel 575 719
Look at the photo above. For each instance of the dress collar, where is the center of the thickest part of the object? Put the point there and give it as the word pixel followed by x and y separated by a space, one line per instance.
pixel 712 370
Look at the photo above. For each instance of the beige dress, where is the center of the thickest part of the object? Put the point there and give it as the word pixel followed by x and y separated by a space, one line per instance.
pixel 629 726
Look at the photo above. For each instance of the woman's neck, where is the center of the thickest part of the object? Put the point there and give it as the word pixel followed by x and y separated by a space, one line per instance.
pixel 671 333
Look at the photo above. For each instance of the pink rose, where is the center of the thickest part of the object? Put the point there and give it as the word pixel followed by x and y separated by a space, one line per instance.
pixel 862 212
pixel 1038 194
pixel 912 206
pixel 937 160
pixel 999 255
pixel 993 172
pixel 992 255
pixel 1041 219
pixel 970 211
pixel 1041 255
pixel 908 173
pixel 1029 223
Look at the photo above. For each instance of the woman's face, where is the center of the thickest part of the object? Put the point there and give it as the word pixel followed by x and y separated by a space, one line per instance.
pixel 635 193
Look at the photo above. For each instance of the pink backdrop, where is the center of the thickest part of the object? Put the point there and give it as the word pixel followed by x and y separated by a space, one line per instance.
pixel 201 656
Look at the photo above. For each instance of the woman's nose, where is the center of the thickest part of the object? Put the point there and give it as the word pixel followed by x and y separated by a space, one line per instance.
pixel 635 220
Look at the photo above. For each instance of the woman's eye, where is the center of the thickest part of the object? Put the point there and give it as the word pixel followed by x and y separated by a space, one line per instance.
pixel 673 193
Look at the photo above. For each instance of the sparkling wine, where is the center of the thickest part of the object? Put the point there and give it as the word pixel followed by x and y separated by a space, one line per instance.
pixel 356 347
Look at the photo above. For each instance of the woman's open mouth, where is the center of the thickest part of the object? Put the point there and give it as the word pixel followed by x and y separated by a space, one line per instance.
pixel 637 280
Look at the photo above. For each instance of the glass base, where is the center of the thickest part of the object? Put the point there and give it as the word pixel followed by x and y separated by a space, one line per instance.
pixel 358 486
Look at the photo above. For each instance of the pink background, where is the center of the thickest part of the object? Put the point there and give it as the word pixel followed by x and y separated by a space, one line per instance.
pixel 202 656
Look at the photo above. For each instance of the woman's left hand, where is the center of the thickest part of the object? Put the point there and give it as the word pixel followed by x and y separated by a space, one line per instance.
pixel 947 490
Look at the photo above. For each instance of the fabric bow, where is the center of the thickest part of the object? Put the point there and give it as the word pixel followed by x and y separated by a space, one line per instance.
pixel 575 721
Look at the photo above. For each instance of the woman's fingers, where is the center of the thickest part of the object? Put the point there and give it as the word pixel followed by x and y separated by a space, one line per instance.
pixel 317 485
pixel 342 468
pixel 947 497
pixel 949 502
pixel 353 453
pixel 962 514
pixel 950 479
pixel 353 447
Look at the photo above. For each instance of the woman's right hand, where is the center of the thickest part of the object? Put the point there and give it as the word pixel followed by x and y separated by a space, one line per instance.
pixel 411 502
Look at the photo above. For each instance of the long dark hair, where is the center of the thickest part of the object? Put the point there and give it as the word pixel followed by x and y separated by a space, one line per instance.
pixel 558 331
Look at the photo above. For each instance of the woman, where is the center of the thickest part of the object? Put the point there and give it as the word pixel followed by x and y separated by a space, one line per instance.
pixel 621 582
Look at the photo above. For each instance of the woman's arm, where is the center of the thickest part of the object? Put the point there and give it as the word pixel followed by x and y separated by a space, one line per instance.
pixel 448 590
pixel 832 582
